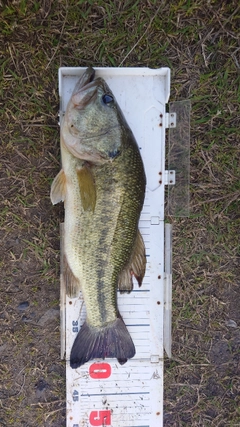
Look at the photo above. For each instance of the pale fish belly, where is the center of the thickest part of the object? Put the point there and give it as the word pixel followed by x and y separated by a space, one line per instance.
pixel 73 212
pixel 72 231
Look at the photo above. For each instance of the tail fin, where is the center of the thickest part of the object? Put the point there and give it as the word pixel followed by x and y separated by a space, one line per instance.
pixel 111 341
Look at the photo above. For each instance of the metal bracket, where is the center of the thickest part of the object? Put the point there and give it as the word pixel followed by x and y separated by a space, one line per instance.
pixel 171 120
pixel 169 177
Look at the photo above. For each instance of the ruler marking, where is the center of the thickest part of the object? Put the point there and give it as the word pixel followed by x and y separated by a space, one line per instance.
pixel 114 394
pixel 134 325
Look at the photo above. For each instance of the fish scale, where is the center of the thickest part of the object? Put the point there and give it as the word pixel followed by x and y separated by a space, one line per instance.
pixel 101 268
pixel 102 183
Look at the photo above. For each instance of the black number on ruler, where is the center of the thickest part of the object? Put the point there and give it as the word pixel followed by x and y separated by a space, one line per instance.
pixel 75 326
pixel 75 396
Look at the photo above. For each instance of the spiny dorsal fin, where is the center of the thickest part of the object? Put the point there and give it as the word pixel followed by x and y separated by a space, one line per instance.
pixel 87 187
pixel 58 188
pixel 136 266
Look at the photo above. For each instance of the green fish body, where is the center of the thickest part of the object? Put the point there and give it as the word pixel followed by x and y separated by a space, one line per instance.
pixel 102 184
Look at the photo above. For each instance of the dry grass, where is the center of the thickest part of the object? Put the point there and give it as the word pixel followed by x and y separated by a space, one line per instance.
pixel 199 41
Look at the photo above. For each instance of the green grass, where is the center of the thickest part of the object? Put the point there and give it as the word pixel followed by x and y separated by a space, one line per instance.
pixel 198 41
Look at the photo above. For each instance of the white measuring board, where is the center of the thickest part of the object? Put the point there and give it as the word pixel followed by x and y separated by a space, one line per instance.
pixel 103 392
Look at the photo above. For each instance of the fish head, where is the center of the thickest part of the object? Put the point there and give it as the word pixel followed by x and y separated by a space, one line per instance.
pixel 93 122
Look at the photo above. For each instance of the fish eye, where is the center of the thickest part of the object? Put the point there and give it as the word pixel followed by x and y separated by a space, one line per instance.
pixel 107 99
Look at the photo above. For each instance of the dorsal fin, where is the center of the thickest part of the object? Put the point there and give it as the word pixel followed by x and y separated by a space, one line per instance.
pixel 136 266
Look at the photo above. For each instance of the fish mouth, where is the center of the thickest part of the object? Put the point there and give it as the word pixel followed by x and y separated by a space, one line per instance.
pixel 86 89
pixel 87 77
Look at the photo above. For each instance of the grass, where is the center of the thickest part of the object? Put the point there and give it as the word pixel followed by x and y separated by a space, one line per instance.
pixel 199 42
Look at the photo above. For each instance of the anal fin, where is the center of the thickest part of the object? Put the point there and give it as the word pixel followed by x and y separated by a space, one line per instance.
pixel 135 267
pixel 73 286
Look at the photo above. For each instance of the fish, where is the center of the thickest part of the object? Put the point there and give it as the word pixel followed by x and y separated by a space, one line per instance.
pixel 102 184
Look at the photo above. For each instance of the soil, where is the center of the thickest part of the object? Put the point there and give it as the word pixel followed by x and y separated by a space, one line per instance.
pixel 199 42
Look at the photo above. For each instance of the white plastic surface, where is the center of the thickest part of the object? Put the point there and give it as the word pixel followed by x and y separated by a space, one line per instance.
pixel 104 393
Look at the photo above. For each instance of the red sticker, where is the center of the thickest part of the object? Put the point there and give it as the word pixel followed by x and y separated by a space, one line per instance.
pixel 100 418
pixel 100 370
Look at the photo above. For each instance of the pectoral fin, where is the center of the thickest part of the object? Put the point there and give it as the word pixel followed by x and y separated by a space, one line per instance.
pixel 87 187
pixel 136 267
pixel 73 286
pixel 58 188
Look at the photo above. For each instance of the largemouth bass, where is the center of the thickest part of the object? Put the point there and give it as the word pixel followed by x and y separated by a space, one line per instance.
pixel 102 183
